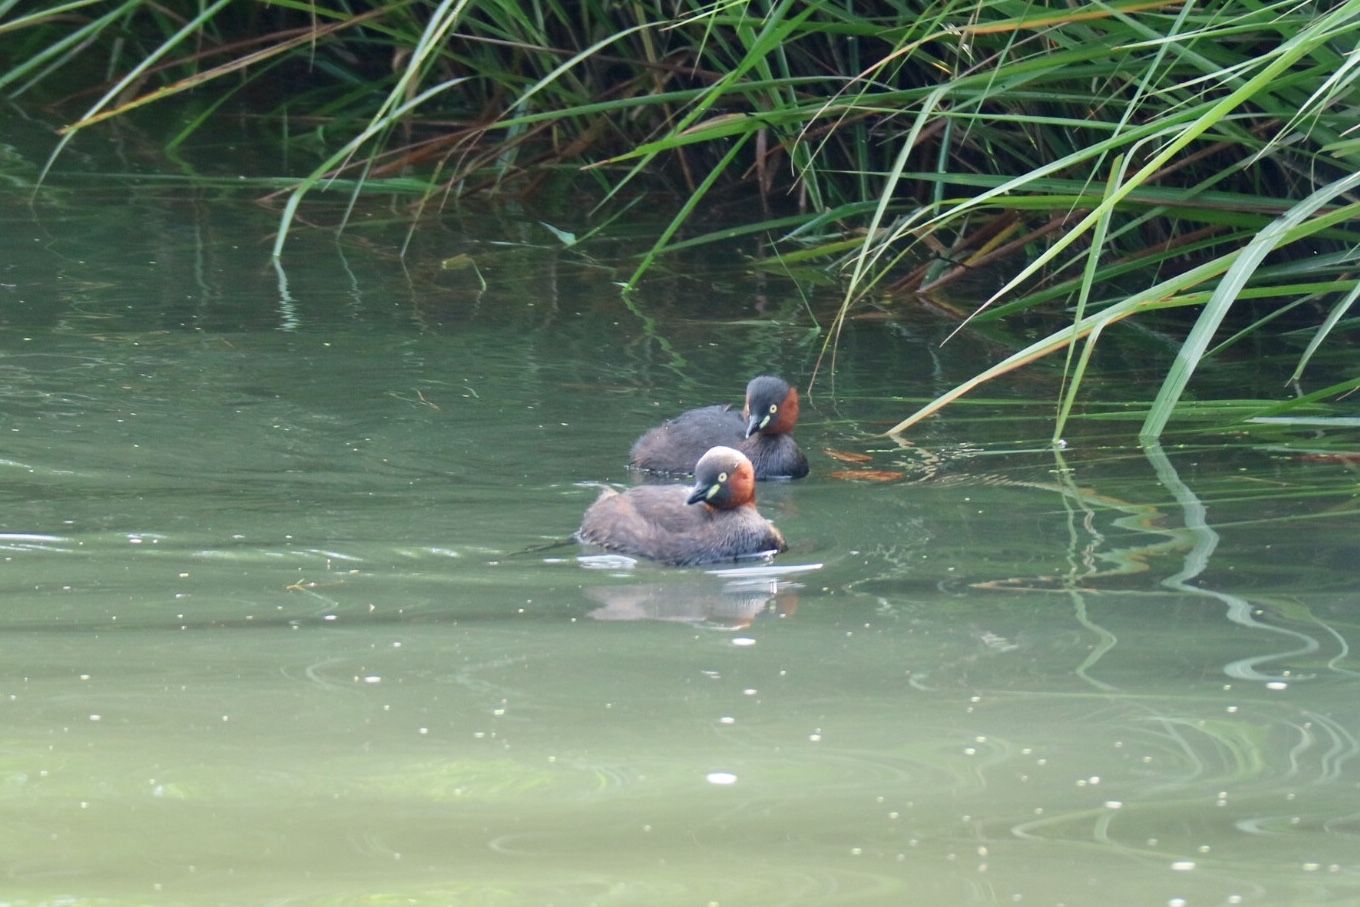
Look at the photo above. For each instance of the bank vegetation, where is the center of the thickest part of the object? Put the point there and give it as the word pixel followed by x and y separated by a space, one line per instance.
pixel 1107 159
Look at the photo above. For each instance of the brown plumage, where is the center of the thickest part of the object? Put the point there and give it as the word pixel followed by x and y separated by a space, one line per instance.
pixel 714 520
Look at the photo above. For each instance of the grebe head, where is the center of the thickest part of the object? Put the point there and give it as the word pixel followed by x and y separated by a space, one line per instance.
pixel 723 479
pixel 771 406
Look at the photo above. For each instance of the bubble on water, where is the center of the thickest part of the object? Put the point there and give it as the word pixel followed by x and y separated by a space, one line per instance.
pixel 721 778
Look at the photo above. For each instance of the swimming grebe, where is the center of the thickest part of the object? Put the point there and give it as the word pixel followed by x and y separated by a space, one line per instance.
pixel 713 520
pixel 761 432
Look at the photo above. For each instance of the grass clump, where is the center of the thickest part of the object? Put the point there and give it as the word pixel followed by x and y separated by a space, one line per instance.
pixel 900 145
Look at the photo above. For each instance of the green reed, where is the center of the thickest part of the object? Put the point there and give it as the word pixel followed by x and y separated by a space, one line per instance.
pixel 1107 159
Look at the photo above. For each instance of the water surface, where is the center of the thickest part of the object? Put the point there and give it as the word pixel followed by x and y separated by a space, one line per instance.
pixel 288 618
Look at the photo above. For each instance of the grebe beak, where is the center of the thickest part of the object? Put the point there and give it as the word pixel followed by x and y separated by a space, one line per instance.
pixel 756 424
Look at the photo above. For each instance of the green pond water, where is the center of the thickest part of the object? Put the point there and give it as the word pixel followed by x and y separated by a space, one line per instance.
pixel 284 623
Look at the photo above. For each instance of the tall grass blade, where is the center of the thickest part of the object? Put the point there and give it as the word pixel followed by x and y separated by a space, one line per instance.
pixel 1338 311
pixel 1236 277
pixel 170 44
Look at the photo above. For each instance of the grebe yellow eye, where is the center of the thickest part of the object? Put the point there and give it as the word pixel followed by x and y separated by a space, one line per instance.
pixel 722 477
pixel 774 408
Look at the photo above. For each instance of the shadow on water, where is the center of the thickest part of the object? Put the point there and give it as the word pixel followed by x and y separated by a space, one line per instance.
pixel 271 635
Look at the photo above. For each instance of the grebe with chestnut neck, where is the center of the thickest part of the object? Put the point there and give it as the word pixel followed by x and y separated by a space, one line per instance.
pixel 713 520
pixel 762 431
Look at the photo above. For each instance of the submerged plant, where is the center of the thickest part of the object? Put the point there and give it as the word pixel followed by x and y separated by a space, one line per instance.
pixel 1109 160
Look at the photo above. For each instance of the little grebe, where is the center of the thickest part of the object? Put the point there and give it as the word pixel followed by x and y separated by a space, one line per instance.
pixel 715 520
pixel 761 431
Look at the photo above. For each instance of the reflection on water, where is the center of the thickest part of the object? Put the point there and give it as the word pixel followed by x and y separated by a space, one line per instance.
pixel 741 595
pixel 280 628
